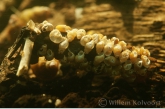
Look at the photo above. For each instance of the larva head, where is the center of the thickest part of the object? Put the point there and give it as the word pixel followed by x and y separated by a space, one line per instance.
pixel 123 44
pixel 46 70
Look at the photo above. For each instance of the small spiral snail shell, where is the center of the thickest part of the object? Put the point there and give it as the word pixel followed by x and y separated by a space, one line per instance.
pixel 136 49
pixel 47 26
pixel 85 39
pixel 89 46
pixel 138 64
pixel 71 35
pixel 144 51
pixel 133 56
pixel 108 48
pixel 100 47
pixel 63 46
pixel 55 36
pixel 127 65
pixel 117 50
pixel 79 57
pixel 146 61
pixel 104 38
pixel 63 28
pixel 95 38
pixel 110 61
pixel 81 33
pixel 49 54
pixel 115 39
pixel 31 26
pixel 71 56
pixel 124 56
pixel 98 59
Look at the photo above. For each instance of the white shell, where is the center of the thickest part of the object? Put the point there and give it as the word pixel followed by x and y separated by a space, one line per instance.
pixel 31 25
pixel 55 36
pixel 117 50
pixel 81 33
pixel 63 46
pixel 104 38
pixel 98 59
pixel 71 56
pixel 85 39
pixel 47 27
pixel 89 46
pixel 108 48
pixel 123 45
pixel 124 56
pixel 138 63
pixel 79 57
pixel 100 47
pixel 95 38
pixel 144 51
pixel 133 55
pixel 71 35
pixel 63 28
pixel 136 49
pixel 146 61
pixel 115 39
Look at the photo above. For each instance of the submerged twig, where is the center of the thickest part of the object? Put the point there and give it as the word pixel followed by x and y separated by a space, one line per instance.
pixel 26 55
